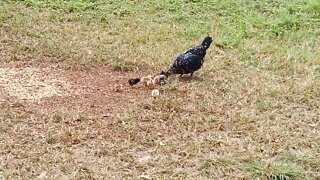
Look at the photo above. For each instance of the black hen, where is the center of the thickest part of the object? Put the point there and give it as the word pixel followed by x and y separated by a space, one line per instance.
pixel 192 60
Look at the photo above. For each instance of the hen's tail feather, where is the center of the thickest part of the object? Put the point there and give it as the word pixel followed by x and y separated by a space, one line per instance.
pixel 207 42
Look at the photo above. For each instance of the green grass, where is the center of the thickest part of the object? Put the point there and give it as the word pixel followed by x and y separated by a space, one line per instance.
pixel 255 99
pixel 276 171
pixel 278 32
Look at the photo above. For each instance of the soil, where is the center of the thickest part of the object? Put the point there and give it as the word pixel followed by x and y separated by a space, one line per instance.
pixel 96 90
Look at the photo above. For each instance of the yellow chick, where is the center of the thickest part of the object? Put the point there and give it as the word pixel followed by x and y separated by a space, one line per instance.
pixel 147 80
pixel 155 93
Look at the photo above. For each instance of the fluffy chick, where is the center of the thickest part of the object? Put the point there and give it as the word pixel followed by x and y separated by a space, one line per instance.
pixel 159 79
pixel 147 80
pixel 155 93
pixel 134 81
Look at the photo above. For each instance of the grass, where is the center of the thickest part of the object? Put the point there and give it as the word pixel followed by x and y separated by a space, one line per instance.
pixel 278 171
pixel 251 112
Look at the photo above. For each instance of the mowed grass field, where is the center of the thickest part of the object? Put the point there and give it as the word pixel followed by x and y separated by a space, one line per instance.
pixel 251 112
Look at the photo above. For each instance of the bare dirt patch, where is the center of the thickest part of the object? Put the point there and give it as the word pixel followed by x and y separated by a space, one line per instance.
pixel 96 90
pixel 33 84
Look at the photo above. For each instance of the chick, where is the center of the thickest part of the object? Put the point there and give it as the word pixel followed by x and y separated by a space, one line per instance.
pixel 147 80
pixel 134 81
pixel 159 79
pixel 155 93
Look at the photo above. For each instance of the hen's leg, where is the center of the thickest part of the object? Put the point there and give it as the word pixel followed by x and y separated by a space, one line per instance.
pixel 180 75
pixel 191 74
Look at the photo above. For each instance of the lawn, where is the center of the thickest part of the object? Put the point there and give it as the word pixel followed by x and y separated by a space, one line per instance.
pixel 251 112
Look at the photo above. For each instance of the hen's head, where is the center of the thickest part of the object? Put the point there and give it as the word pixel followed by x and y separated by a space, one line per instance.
pixel 207 42
pixel 166 73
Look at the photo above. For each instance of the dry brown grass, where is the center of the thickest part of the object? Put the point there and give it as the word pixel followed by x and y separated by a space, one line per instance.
pixel 251 112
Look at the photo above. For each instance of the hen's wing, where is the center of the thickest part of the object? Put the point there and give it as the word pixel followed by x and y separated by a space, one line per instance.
pixel 191 62
pixel 198 50
pixel 186 63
